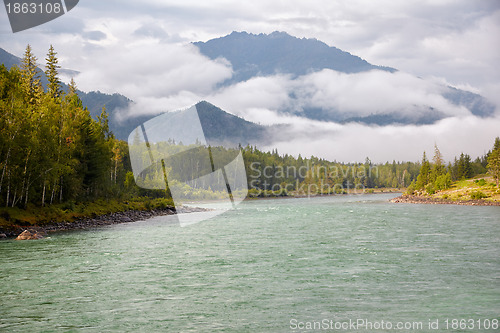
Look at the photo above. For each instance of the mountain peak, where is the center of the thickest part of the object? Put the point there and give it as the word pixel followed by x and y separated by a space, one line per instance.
pixel 280 53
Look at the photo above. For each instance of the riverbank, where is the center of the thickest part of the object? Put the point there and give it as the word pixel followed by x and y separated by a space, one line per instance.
pixel 414 199
pixel 43 220
pixel 480 191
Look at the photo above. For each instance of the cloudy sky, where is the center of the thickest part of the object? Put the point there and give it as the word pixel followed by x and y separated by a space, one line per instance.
pixel 141 49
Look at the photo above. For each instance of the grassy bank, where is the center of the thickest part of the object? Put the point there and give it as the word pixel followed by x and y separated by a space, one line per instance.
pixel 72 211
pixel 481 189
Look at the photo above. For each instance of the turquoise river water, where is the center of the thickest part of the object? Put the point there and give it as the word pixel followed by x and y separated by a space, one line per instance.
pixel 339 264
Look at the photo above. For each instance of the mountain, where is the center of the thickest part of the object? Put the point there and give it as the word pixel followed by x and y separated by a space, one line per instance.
pixel 279 53
pixel 220 127
pixel 8 59
pixel 204 123
pixel 94 100
pixel 252 55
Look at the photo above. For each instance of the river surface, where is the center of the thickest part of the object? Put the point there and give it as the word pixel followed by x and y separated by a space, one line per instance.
pixel 279 265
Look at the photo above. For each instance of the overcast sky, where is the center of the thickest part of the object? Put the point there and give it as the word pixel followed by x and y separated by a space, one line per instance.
pixel 141 49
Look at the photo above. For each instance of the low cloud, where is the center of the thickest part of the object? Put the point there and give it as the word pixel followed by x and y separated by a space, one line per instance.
pixel 354 142
pixel 161 74
pixel 264 93
pixel 346 95
pixel 373 92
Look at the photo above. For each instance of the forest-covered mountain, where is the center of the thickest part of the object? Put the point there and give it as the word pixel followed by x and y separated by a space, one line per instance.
pixel 220 126
pixel 279 53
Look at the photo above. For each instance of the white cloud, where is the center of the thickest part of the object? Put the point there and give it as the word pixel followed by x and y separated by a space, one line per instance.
pixel 148 69
pixel 257 93
pixel 373 92
pixel 344 95
pixel 354 142
pixel 151 106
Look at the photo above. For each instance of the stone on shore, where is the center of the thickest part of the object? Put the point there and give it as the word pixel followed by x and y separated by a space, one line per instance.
pixel 27 235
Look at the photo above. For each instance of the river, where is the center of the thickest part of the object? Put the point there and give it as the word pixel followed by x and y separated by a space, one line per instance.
pixel 280 265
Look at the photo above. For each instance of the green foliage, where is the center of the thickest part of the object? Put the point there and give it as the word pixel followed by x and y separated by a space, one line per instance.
pixel 477 195
pixel 494 162
pixel 480 182
pixel 54 84
pixel 30 79
pixel 443 182
pixel 438 168
pixel 462 168
pixel 430 189
pixel 424 175
pixel 411 188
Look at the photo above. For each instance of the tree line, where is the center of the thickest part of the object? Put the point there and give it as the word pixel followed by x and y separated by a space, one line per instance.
pixel 334 177
pixel 437 176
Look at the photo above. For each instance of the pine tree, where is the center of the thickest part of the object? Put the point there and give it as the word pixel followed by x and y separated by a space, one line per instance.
pixel 464 167
pixel 54 85
pixel 72 96
pixel 72 87
pixel 424 175
pixel 30 78
pixel 438 169
pixel 494 161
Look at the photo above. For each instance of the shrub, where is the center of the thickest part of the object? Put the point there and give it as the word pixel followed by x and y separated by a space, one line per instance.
pixel 478 195
pixel 411 189
pixel 430 189
pixel 253 193
pixel 480 182
pixel 69 205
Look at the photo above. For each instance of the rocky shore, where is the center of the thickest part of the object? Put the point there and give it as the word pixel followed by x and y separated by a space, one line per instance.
pixel 438 201
pixel 37 232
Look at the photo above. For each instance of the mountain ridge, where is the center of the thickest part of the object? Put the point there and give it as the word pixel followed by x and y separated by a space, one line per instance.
pixel 260 55
pixel 280 52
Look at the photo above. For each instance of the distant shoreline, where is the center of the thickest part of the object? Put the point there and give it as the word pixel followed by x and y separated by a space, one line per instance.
pixel 413 199
pixel 350 192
